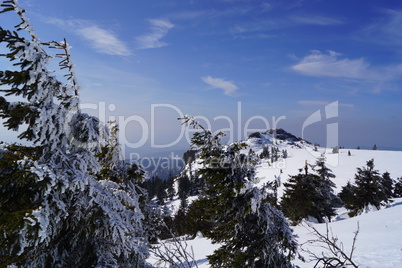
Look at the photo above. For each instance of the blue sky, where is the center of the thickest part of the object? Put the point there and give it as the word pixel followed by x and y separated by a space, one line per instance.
pixel 221 58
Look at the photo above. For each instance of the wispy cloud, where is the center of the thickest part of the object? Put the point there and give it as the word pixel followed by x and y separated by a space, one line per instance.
pixel 316 20
pixel 322 103
pixel 102 40
pixel 388 30
pixel 264 28
pixel 228 87
pixel 159 29
pixel 329 65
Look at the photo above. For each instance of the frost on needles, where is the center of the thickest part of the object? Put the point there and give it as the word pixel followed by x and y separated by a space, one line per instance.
pixel 252 231
pixel 68 200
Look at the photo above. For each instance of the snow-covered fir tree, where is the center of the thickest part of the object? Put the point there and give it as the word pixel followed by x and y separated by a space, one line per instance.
pixel 253 233
pixel 369 189
pixel 310 195
pixel 71 214
pixel 327 187
pixel 398 188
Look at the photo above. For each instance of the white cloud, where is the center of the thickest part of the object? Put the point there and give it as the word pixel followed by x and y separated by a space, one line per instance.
pixel 159 29
pixel 102 40
pixel 322 103
pixel 387 30
pixel 228 87
pixel 316 20
pixel 328 65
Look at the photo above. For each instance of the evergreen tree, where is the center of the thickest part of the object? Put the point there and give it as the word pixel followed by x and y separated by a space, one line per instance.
pixel 170 187
pixel 265 152
pixel 180 220
pixel 347 193
pixel 58 209
pixel 198 217
pixel 184 187
pixel 375 147
pixel 388 184
pixel 327 187
pixel 253 233
pixel 189 156
pixel 370 189
pixel 398 188
pixel 310 194
pixel 274 154
pixel 300 198
pixel 161 194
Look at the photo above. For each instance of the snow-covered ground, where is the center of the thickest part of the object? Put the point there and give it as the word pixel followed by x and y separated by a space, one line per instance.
pixel 379 242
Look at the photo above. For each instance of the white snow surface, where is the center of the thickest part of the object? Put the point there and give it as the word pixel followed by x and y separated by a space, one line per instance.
pixel 379 242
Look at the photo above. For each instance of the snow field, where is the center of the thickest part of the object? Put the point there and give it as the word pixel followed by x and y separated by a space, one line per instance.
pixel 379 241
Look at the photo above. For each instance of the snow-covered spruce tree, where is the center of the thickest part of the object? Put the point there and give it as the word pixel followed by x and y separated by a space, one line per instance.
pixel 253 233
pixel 388 184
pixel 67 217
pixel 397 188
pixel 308 194
pixel 327 187
pixel 370 189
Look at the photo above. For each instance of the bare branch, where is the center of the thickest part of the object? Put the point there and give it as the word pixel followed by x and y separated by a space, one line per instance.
pixel 337 256
pixel 174 253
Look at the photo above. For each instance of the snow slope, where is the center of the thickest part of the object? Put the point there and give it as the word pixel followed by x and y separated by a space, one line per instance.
pixel 342 165
pixel 379 242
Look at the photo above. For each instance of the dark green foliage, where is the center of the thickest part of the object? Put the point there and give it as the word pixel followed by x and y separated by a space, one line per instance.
pixel 255 135
pixel 274 154
pixel 15 179
pixel 347 193
pixel 265 152
pixel 252 232
pixel 387 184
pixel 398 188
pixel 161 189
pixel 180 224
pixel 184 186
pixel 281 134
pixel 285 154
pixel 56 210
pixel 308 194
pixel 302 198
pixel 370 188
pixel 259 238
pixel 375 147
pixel 189 156
pixel 170 187
pixel 198 217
